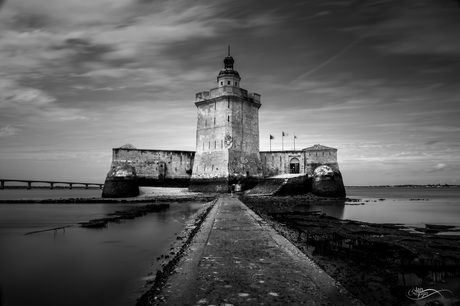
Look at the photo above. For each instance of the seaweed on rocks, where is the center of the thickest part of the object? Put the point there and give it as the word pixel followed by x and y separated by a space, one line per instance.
pixel 368 259
pixel 131 213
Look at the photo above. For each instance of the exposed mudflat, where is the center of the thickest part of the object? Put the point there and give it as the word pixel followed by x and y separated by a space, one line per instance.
pixel 376 262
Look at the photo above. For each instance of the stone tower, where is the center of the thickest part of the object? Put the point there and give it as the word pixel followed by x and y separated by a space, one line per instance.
pixel 227 135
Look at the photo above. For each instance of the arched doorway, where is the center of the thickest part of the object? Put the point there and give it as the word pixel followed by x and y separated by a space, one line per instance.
pixel 294 166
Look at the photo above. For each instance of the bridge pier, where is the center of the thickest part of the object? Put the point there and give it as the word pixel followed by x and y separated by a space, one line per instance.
pixel 29 185
pixel 51 185
pixel 70 186
pixel 86 186
pixel 2 185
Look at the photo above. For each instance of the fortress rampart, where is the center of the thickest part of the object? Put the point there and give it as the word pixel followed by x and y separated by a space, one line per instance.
pixel 227 151
pixel 156 167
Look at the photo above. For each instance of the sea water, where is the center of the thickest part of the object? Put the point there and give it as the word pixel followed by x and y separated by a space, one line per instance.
pixel 81 266
pixel 413 207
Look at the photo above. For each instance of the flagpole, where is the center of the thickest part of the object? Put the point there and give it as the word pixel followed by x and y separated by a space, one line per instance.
pixel 294 142
pixel 282 141
pixel 270 143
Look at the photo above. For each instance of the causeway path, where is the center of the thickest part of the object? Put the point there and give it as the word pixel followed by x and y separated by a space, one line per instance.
pixel 238 259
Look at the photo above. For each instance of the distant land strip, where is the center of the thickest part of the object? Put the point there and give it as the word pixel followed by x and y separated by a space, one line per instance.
pixel 408 186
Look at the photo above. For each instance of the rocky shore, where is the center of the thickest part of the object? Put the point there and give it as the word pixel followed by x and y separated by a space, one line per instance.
pixel 378 263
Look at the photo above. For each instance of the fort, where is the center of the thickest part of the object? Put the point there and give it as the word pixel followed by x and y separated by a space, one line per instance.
pixel 227 152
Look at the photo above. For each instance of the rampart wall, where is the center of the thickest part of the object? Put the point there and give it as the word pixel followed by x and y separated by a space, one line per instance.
pixel 278 162
pixel 156 167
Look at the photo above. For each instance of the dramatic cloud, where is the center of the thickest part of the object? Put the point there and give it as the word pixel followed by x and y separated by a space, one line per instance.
pixel 6 131
pixel 376 79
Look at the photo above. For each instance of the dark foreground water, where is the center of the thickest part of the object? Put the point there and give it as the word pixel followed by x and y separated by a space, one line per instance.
pixel 81 266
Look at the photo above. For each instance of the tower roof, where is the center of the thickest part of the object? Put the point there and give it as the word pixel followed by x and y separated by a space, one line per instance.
pixel 228 67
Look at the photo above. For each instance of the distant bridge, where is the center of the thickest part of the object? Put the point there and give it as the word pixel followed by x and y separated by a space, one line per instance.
pixel 51 183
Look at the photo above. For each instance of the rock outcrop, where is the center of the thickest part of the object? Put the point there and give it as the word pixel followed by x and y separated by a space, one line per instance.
pixel 328 182
pixel 121 182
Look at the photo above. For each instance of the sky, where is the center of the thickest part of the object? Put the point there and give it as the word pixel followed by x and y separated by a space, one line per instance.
pixel 376 79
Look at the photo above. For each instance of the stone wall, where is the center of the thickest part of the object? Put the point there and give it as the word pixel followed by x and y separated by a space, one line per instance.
pixel 156 167
pixel 212 126
pixel 277 162
pixel 318 157
pixel 244 157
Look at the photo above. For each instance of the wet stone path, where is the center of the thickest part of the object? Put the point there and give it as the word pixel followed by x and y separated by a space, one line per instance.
pixel 237 259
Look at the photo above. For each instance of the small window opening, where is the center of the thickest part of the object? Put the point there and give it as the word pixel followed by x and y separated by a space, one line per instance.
pixel 228 82
pixel 236 83
pixel 221 83
pixel 228 118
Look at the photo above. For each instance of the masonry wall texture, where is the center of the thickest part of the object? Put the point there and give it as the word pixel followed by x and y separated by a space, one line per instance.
pixel 156 167
pixel 227 139
pixel 227 149
pixel 308 159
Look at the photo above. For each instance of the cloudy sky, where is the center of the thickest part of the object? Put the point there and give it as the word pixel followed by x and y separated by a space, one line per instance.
pixel 376 79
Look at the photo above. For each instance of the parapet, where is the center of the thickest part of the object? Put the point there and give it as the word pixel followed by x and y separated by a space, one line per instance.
pixel 227 91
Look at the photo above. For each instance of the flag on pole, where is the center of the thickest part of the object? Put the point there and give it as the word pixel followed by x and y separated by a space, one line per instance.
pixel 271 136
pixel 285 134
pixel 295 136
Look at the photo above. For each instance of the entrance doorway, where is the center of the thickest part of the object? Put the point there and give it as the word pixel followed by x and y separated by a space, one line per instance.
pixel 294 166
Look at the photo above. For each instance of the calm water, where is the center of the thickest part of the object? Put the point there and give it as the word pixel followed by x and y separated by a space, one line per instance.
pixel 110 266
pixel 80 266
pixel 45 193
pixel 410 206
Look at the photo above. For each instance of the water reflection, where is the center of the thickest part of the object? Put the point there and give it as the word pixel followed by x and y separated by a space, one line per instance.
pixel 81 266
pixel 334 209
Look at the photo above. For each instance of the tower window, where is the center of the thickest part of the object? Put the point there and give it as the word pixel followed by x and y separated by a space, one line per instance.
pixel 221 83
pixel 228 82
pixel 228 106
pixel 236 83
pixel 228 118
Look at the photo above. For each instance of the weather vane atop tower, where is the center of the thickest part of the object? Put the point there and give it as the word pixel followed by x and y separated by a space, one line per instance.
pixel 228 61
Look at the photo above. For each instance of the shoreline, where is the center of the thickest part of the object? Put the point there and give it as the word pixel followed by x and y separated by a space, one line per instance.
pixel 371 260
pixel 369 274
pixel 153 199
